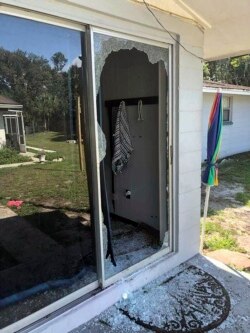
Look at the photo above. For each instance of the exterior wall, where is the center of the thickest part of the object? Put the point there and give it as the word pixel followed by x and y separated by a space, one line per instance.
pixel 2 131
pixel 235 136
pixel 190 133
pixel 2 138
pixel 187 103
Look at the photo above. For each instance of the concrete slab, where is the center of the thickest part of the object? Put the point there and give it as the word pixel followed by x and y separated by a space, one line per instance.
pixel 232 258
pixel 236 284
pixel 39 149
pixel 15 165
pixel 6 212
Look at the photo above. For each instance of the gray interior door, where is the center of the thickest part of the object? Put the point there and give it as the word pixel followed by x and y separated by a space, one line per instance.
pixel 128 74
pixel 141 175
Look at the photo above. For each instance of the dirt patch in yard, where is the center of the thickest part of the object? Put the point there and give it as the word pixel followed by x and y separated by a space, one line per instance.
pixel 232 258
pixel 223 196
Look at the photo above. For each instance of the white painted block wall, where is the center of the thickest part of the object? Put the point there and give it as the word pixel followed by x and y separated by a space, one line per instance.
pixel 235 137
pixel 2 138
pixel 190 133
pixel 2 131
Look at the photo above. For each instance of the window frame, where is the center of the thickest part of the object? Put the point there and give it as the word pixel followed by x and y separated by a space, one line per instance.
pixel 229 109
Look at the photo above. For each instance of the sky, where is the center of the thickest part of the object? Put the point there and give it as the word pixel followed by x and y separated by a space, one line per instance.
pixel 38 38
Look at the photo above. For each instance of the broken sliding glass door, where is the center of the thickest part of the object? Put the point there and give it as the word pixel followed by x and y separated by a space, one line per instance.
pixel 60 216
pixel 131 81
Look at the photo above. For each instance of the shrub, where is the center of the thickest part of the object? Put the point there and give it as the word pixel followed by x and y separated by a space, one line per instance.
pixel 51 156
pixel 10 155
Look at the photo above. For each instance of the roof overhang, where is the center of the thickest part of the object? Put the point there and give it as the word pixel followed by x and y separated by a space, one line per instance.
pixel 10 106
pixel 210 90
pixel 226 23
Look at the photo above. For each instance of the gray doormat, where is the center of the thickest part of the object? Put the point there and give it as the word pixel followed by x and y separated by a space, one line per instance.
pixel 192 301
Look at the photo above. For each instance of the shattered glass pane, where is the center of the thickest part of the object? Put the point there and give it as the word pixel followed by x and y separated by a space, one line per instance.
pixel 105 45
pixel 101 143
pixel 124 70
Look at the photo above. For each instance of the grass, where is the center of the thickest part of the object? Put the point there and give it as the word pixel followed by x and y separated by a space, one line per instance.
pixel 219 238
pixel 57 184
pixel 49 156
pixel 243 198
pixel 10 156
pixel 237 170
pixel 234 170
pixel 222 242
pixel 53 156
pixel 212 227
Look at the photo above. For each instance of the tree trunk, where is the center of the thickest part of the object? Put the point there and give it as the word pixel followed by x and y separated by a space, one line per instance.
pixel 33 126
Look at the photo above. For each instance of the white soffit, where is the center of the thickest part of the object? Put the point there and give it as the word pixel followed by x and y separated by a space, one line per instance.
pixel 177 8
pixel 225 91
pixel 226 23
pixel 230 27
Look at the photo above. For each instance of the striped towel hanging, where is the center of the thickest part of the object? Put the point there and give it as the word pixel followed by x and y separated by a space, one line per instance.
pixel 122 140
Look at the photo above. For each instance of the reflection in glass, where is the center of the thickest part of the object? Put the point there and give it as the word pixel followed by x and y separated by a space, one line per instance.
pixel 46 235
pixel 134 73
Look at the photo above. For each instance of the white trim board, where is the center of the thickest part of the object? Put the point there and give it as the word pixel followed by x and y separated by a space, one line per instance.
pixel 226 91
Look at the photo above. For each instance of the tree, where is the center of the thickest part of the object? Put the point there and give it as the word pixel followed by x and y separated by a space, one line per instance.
pixel 59 61
pixel 235 70
pixel 42 90
pixel 241 70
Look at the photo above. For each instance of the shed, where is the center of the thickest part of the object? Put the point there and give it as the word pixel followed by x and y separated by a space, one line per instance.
pixel 236 118
pixel 11 124
pixel 128 56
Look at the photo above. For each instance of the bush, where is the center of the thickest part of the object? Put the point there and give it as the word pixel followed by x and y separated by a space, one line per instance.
pixel 51 156
pixel 10 155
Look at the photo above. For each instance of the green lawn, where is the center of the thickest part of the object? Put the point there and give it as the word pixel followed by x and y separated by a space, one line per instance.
pixel 237 170
pixel 52 184
pixel 222 225
pixel 218 238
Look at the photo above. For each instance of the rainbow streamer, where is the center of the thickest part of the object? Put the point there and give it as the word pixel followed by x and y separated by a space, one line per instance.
pixel 210 175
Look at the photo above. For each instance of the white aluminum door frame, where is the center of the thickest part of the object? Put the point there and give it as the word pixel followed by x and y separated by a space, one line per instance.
pixel 165 249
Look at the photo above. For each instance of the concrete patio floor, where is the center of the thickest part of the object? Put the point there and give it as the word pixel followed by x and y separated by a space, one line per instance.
pixel 141 304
